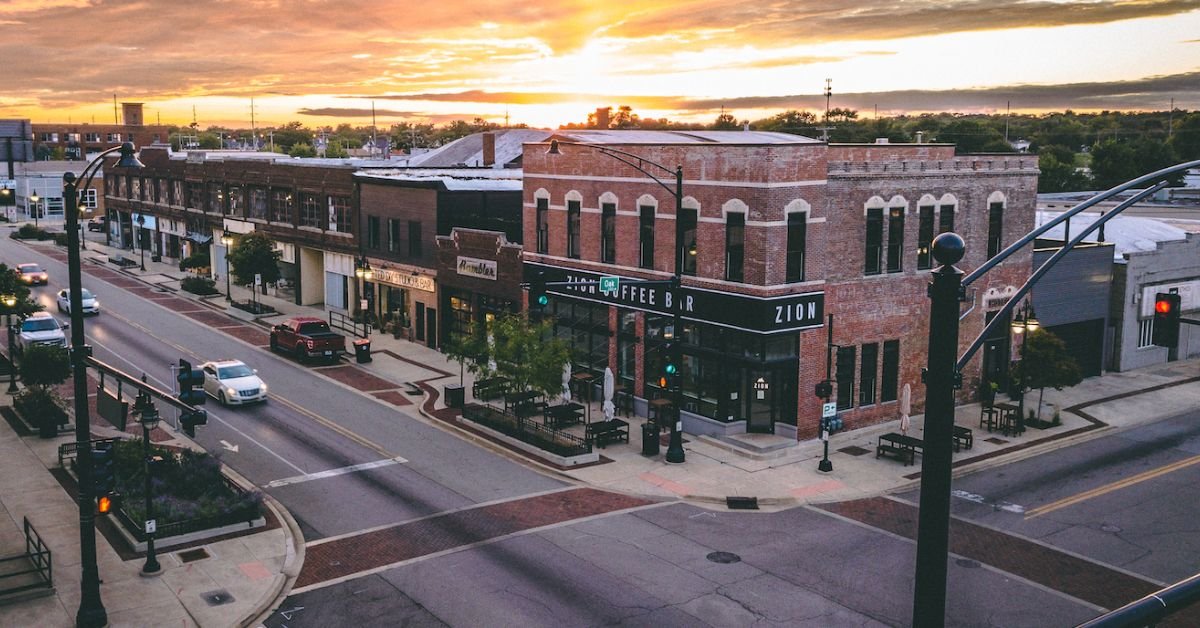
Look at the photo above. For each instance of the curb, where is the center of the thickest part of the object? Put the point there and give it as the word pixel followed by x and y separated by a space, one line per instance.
pixel 292 562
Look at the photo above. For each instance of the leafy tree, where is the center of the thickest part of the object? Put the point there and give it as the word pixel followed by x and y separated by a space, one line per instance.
pixel 1113 163
pixel 972 136
pixel 10 285
pixel 625 118
pixel 725 122
pixel 254 253
pixel 302 150
pixel 1186 140
pixel 528 354
pixel 291 134
pixel 41 368
pixel 471 350
pixel 791 121
pixel 838 114
pixel 1059 173
pixel 1046 364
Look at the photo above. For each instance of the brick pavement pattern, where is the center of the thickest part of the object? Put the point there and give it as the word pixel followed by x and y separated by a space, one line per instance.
pixel 357 378
pixel 362 552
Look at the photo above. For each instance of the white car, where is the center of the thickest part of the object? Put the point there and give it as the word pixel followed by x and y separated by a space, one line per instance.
pixel 231 382
pixel 40 328
pixel 91 305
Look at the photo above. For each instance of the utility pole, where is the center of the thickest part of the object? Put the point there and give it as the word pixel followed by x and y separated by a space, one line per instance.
pixel 828 94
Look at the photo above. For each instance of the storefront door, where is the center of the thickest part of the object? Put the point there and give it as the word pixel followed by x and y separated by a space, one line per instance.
pixel 760 415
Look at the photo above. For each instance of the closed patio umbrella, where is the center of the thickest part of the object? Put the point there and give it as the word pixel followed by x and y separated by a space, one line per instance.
pixel 905 409
pixel 610 410
pixel 566 383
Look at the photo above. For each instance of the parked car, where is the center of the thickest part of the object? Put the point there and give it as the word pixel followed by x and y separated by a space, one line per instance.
pixel 40 328
pixel 97 223
pixel 91 305
pixel 307 337
pixel 231 382
pixel 32 274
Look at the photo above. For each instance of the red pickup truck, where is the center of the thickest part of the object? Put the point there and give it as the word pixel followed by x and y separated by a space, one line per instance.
pixel 307 337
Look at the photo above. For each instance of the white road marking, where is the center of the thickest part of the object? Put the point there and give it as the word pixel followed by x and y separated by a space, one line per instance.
pixel 980 499
pixel 229 447
pixel 320 475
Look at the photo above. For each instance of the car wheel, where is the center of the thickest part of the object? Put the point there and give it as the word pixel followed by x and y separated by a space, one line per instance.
pixel 60 307
pixel 221 398
pixel 274 345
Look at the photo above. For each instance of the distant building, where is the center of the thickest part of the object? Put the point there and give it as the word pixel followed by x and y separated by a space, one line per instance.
pixel 77 140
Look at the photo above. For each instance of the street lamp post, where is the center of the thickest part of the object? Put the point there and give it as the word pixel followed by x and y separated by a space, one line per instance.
pixel 362 270
pixel 148 416
pixel 10 301
pixel 1024 324
pixel 34 198
pixel 675 453
pixel 91 611
pixel 141 223
pixel 227 242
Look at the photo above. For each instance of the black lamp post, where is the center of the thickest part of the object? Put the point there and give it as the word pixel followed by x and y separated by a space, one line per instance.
pixel 141 222
pixel 91 610
pixel 675 453
pixel 227 242
pixel 148 416
pixel 1024 324
pixel 362 270
pixel 34 198
pixel 9 302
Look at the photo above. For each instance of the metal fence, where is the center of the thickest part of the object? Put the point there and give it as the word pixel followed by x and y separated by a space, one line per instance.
pixel 337 320
pixel 529 431
pixel 39 556
pixel 187 526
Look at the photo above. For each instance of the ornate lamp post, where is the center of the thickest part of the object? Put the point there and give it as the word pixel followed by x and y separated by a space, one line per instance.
pixel 91 611
pixel 227 242
pixel 675 453
pixel 9 302
pixel 148 416
pixel 141 221
pixel 1022 323
pixel 34 198
pixel 362 270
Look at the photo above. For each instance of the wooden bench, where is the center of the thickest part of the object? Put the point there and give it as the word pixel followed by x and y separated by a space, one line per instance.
pixel 903 447
pixel 489 388
pixel 604 432
pixel 963 438
pixel 121 260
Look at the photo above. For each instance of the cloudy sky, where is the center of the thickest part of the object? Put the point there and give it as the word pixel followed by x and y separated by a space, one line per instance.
pixel 549 62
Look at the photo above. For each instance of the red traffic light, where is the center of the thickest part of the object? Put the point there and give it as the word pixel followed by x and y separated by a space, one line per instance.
pixel 1163 306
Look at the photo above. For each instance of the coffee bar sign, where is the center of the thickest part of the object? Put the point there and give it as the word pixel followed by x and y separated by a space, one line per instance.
pixel 739 311
pixel 477 268
pixel 403 279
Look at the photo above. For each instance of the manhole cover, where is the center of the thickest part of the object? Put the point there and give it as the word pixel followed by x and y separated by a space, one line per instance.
pixel 217 598
pixel 1108 527
pixel 724 558
pixel 854 450
pixel 193 555
pixel 967 563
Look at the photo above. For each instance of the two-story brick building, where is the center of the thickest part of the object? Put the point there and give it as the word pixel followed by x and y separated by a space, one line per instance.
pixel 782 235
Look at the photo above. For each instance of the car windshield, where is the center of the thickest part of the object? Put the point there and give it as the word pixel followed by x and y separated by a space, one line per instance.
pixel 30 268
pixel 39 324
pixel 233 372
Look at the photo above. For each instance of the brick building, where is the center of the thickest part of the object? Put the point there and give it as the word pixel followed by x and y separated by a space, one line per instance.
pixel 77 140
pixel 781 233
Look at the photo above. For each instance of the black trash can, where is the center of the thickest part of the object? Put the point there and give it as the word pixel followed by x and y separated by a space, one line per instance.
pixel 362 350
pixel 650 434
pixel 455 395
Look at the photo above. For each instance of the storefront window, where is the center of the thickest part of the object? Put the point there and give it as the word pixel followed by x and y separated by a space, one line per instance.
pixel 627 348
pixel 584 326
pixel 461 315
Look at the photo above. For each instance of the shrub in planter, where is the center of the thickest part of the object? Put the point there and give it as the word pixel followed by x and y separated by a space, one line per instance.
pixel 60 239
pixel 199 285
pixel 195 261
pixel 42 408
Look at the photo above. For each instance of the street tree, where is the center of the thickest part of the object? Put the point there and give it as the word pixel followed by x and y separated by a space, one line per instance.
pixel 1046 364
pixel 527 353
pixel 470 348
pixel 42 368
pixel 254 254
pixel 10 285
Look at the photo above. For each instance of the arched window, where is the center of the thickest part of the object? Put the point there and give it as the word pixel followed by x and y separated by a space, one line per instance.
pixel 995 238
pixel 874 236
pixel 647 207
pixel 608 228
pixel 542 199
pixel 897 208
pixel 797 213
pixel 925 215
pixel 574 207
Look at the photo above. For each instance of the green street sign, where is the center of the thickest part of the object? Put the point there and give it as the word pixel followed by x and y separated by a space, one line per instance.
pixel 610 284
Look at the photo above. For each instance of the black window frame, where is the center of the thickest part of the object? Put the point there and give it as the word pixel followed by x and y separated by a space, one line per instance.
pixel 995 228
pixel 895 240
pixel 844 386
pixel 925 237
pixel 945 218
pixel 414 239
pixel 393 225
pixel 889 382
pixel 646 236
pixel 374 241
pixel 797 245
pixel 574 209
pixel 608 233
pixel 543 225
pixel 688 250
pixel 873 262
pixel 868 368
pixel 735 247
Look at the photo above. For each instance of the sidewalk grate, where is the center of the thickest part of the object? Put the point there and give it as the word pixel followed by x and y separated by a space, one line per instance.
pixel 854 450
pixel 193 555
pixel 741 503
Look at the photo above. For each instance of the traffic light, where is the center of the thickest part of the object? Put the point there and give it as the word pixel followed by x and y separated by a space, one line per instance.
pixel 824 389
pixel 188 378
pixel 1166 320
pixel 107 503
pixel 538 300
pixel 103 472
pixel 189 421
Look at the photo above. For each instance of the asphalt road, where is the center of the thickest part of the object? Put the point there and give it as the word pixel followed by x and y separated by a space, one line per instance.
pixel 309 426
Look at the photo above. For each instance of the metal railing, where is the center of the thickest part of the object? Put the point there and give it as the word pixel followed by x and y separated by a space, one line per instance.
pixel 36 553
pixel 187 526
pixel 528 430
pixel 347 324
pixel 1151 609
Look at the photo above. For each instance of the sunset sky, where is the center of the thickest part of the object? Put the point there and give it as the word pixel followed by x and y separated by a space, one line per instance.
pixel 549 62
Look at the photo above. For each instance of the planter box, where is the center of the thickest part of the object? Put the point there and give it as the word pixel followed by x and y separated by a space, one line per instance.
pixel 161 543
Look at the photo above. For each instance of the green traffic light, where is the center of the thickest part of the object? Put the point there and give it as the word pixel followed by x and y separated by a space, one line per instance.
pixel 670 369
pixel 543 300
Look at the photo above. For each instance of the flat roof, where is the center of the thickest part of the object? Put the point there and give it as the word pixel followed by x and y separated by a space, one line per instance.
pixel 614 136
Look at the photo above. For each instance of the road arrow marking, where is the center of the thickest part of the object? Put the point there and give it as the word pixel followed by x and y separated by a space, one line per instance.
pixel 320 475
pixel 228 447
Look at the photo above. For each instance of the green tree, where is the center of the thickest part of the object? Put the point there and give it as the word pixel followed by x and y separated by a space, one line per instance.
pixel 725 122
pixel 528 354
pixel 972 136
pixel 302 150
pixel 625 118
pixel 42 368
pixel 1113 163
pixel 471 350
pixel 1186 138
pixel 10 285
pixel 1059 173
pixel 254 254
pixel 1046 364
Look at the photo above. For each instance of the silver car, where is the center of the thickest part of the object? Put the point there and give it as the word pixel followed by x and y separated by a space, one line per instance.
pixel 91 305
pixel 231 382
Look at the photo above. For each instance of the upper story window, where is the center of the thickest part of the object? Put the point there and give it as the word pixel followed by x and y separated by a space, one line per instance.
pixel 797 235
pixel 91 137
pixel 735 247
pixel 162 191
pixel 281 206
pixel 687 249
pixel 311 212
pixel 414 238
pixel 945 218
pixel 235 195
pixel 256 204
pixel 393 235
pixel 874 241
pixel 88 200
pixel 646 236
pixel 924 237
pixel 176 197
pixel 573 229
pixel 114 137
pixel 608 233
pixel 895 250
pixel 339 214
pixel 135 187
pixel 543 225
pixel 995 225
pixel 216 198
pixel 373 239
